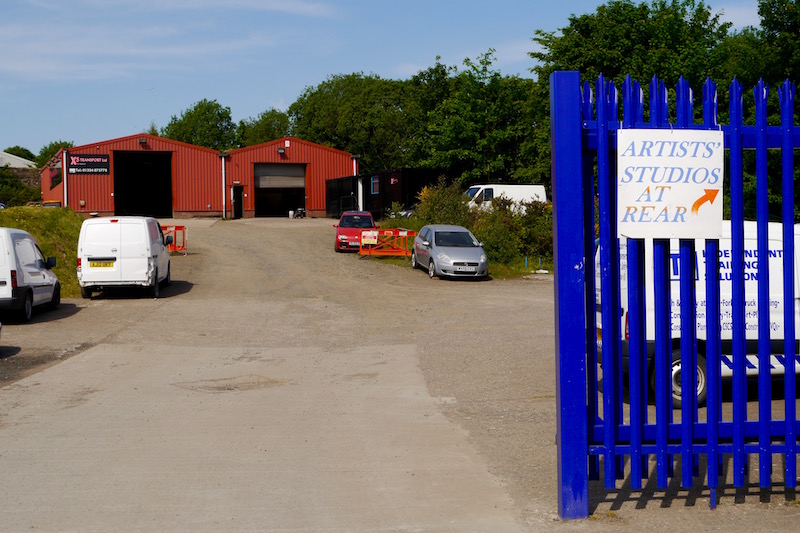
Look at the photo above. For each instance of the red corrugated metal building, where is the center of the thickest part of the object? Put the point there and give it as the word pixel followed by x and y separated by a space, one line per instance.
pixel 149 175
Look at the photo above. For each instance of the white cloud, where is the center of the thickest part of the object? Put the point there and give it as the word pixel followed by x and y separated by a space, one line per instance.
pixel 83 53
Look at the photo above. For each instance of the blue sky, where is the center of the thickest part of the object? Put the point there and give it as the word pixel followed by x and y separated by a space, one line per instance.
pixel 91 70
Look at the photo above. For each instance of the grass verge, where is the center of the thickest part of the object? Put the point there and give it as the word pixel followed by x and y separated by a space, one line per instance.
pixel 57 231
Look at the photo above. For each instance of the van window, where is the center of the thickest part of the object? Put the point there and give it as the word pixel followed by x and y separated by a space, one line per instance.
pixel 471 191
pixel 26 251
pixel 488 194
pixel 152 228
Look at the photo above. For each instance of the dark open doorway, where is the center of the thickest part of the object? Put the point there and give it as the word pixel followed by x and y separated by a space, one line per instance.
pixel 237 201
pixel 143 183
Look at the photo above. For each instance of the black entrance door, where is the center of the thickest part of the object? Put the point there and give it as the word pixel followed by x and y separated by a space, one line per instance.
pixel 238 201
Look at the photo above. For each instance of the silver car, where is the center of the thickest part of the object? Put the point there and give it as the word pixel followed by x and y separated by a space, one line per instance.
pixel 449 251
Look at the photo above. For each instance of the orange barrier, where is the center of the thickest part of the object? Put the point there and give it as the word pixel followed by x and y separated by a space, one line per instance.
pixel 395 241
pixel 178 238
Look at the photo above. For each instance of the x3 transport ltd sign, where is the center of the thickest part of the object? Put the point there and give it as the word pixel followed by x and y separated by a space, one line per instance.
pixel 669 183
pixel 88 164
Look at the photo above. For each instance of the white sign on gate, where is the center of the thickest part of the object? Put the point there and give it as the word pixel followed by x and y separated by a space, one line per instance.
pixel 669 183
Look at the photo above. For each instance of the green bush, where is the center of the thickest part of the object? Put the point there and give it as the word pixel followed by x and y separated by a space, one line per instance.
pixel 13 191
pixel 443 204
pixel 510 234
pixel 499 230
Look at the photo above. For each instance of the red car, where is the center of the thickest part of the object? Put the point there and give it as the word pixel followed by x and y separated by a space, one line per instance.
pixel 349 228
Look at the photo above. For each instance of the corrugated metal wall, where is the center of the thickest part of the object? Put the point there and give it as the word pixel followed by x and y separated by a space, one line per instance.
pixel 197 180
pixel 322 163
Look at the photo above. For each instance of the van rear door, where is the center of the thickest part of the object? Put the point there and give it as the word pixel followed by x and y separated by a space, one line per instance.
pixel 100 252
pixel 135 252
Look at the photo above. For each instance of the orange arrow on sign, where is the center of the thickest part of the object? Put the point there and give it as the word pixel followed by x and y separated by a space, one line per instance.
pixel 709 196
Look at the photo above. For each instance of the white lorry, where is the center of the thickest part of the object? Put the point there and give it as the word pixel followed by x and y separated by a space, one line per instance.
pixel 482 195
pixel 776 304
pixel 122 251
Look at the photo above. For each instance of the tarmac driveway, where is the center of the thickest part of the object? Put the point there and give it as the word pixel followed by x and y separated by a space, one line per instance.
pixel 279 386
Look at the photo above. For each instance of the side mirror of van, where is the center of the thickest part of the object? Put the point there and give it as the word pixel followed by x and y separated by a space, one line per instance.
pixel 51 263
pixel 168 240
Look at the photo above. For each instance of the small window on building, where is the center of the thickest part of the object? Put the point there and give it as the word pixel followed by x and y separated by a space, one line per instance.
pixel 374 186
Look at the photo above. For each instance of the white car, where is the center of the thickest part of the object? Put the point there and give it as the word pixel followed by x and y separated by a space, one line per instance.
pixel 26 278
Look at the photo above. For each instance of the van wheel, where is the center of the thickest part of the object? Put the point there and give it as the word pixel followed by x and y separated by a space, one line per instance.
pixel 86 293
pixel 702 380
pixel 55 301
pixel 155 287
pixel 26 312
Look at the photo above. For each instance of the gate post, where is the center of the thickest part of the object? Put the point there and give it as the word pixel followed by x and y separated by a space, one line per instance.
pixel 570 315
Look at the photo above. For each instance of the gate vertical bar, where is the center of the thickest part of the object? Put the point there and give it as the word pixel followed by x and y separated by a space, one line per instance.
pixel 659 118
pixel 789 351
pixel 688 340
pixel 609 282
pixel 713 341
pixel 739 384
pixel 760 93
pixel 632 110
pixel 589 247
pixel 571 405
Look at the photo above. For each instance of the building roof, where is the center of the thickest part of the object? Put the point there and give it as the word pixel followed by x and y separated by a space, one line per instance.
pixel 14 161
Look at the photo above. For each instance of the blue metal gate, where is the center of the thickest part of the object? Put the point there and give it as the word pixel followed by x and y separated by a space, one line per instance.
pixel 597 432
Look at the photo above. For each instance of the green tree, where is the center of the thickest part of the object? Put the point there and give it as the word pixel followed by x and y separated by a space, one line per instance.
pixel 665 38
pixel 780 32
pixel 206 123
pixel 475 132
pixel 19 151
pixel 48 151
pixel 269 125
pixel 364 115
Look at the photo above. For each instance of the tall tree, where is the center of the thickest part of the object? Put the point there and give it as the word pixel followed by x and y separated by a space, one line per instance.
pixel 780 31
pixel 665 38
pixel 206 123
pixel 269 125
pixel 364 115
pixel 475 132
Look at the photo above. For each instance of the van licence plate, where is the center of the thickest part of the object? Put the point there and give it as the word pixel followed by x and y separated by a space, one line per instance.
pixel 101 264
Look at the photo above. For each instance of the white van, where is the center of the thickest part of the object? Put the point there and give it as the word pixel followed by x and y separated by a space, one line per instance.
pixel 751 259
pixel 122 251
pixel 26 278
pixel 479 194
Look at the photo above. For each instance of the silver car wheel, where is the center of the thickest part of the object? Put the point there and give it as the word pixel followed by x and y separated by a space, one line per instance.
pixel 413 259
pixel 431 269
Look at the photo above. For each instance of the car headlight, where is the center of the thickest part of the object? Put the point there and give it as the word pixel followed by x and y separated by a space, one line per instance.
pixel 444 258
pixel 483 258
pixel 342 237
